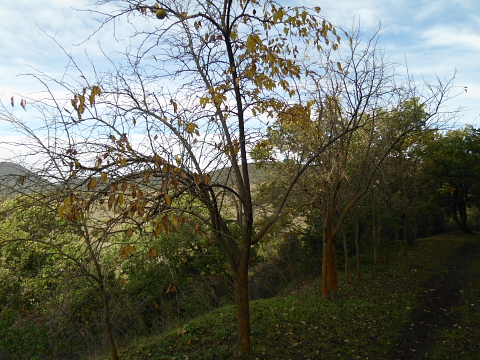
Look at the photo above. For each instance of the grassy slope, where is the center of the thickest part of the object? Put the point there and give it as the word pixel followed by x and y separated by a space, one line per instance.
pixel 366 320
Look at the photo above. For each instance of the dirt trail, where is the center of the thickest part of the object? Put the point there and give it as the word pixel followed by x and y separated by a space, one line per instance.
pixel 433 325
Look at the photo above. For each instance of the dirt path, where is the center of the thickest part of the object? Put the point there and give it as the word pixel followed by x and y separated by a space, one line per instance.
pixel 446 325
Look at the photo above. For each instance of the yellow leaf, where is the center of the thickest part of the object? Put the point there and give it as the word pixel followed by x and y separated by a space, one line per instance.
pixel 104 177
pixel 126 250
pixel 339 66
pixel 168 200
pixel 120 199
pixel 252 41
pixel 191 128
pixel 166 224
pixel 174 220
pixel 206 179
pixel 235 147
pixel 278 16
pixel 92 184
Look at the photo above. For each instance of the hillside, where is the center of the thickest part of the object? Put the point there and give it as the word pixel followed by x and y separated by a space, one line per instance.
pixel 15 179
pixel 424 304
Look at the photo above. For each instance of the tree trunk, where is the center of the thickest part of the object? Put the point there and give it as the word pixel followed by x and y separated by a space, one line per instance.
pixel 325 290
pixel 243 310
pixel 108 325
pixel 103 294
pixel 329 268
pixel 460 212
pixel 377 239
pixel 345 250
pixel 374 235
pixel 332 265
pixel 357 245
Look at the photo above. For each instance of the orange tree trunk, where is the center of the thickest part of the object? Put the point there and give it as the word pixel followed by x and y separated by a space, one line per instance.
pixel 329 266
pixel 325 289
pixel 243 310
pixel 332 264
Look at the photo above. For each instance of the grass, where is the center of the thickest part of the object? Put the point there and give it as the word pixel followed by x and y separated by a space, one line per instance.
pixel 369 319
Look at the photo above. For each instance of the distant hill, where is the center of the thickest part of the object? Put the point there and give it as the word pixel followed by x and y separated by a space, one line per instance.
pixel 257 174
pixel 16 179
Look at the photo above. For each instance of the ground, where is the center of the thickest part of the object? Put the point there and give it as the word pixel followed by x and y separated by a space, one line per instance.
pixel 445 322
pixel 422 303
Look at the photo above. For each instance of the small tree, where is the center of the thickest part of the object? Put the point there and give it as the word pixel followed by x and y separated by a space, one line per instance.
pixel 361 113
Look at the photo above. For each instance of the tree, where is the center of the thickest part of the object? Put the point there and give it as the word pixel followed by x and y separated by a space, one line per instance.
pixel 358 100
pixel 168 131
pixel 198 90
pixel 452 161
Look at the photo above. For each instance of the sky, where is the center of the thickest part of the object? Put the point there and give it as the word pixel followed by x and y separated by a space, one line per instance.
pixel 436 38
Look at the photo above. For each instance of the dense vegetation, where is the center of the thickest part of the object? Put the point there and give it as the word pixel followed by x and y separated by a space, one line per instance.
pixel 145 209
pixel 51 305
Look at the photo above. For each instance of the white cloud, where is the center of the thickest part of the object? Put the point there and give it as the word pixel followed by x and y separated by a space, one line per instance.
pixel 452 37
pixel 435 36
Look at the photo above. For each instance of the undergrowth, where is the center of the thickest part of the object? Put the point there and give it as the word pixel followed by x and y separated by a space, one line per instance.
pixel 363 320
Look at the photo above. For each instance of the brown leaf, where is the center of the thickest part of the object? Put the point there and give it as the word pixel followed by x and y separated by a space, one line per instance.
pixel 197 178
pixel 12 101
pixel 126 250
pixel 111 201
pixel 171 288
pixel 152 253
pixel 197 226
pixel 92 184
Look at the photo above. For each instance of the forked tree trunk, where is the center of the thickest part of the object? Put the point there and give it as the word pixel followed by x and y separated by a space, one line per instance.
pixel 243 310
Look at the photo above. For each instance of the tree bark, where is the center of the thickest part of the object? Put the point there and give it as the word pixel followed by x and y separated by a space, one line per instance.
pixel 243 310
pixel 460 211
pixel 108 325
pixel 357 246
pixel 329 268
pixel 348 280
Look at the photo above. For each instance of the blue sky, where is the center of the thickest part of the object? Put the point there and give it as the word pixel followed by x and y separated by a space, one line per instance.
pixel 435 38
